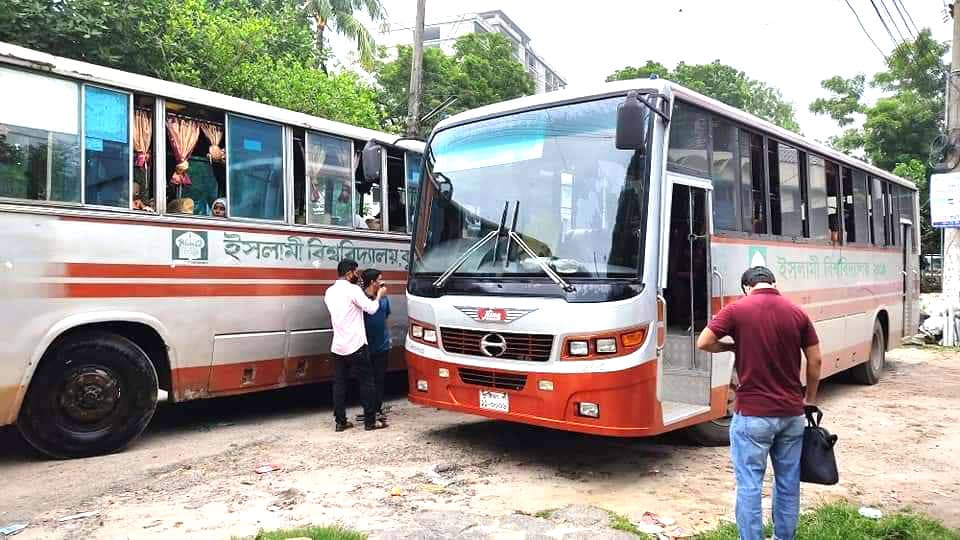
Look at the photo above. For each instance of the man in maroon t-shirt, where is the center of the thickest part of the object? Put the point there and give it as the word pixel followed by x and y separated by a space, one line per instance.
pixel 768 334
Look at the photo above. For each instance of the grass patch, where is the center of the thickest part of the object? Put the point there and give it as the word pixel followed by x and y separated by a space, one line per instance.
pixel 841 521
pixel 622 523
pixel 313 533
pixel 545 514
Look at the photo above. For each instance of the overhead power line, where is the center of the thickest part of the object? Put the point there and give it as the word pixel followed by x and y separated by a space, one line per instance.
pixel 864 28
pixel 884 22
pixel 898 4
pixel 893 21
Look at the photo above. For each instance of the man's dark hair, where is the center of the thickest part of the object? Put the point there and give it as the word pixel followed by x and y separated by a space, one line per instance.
pixel 757 274
pixel 369 276
pixel 346 266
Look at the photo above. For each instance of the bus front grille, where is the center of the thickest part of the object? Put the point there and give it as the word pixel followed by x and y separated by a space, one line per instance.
pixel 493 379
pixel 528 347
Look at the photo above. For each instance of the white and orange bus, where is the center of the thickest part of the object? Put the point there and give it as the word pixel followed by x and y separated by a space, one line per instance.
pixel 570 247
pixel 163 242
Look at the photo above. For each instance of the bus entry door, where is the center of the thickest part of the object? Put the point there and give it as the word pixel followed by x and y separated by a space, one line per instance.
pixel 686 369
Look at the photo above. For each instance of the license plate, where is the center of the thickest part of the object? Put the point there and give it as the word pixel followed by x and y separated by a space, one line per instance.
pixel 494 401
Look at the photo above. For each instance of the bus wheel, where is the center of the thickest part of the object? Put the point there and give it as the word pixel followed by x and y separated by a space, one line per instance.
pixel 715 432
pixel 870 371
pixel 92 394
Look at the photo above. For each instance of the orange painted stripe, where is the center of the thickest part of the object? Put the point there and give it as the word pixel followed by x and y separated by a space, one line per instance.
pixel 97 270
pixel 159 290
pixel 228 379
pixel 733 240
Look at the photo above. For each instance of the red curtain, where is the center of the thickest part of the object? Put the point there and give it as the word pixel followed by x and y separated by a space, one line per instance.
pixel 183 134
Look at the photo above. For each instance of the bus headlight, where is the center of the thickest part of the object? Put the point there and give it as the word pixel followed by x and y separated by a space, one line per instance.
pixel 416 331
pixel 590 410
pixel 430 336
pixel 423 333
pixel 607 345
pixel 579 348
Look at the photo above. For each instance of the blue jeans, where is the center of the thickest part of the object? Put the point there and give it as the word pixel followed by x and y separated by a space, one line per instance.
pixel 752 439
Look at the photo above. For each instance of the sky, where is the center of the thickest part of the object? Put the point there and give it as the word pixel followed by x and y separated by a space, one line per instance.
pixel 791 46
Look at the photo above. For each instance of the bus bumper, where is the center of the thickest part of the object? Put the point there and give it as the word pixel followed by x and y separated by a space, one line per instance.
pixel 626 399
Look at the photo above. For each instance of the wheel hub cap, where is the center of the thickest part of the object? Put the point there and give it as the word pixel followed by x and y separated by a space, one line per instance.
pixel 90 394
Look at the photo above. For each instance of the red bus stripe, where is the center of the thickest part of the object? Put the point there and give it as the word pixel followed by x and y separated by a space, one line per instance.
pixel 97 270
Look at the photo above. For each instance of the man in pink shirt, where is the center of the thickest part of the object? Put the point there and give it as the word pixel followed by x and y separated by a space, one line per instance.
pixel 346 303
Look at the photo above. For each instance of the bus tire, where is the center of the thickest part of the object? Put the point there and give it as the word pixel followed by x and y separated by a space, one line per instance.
pixel 870 371
pixel 715 432
pixel 93 393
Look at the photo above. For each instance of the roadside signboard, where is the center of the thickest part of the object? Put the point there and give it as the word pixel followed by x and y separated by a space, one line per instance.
pixel 945 200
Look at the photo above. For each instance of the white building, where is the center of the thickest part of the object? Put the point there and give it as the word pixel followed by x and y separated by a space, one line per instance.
pixel 444 34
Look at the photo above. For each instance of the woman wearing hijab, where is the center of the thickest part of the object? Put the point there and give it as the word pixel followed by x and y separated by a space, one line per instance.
pixel 219 208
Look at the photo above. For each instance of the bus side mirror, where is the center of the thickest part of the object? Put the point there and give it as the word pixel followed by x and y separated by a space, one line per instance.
pixel 632 123
pixel 371 158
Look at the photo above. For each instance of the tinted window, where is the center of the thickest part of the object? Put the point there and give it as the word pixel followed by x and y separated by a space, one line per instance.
pixel 255 169
pixel 106 147
pixel 39 138
pixel 860 206
pixel 790 207
pixel 834 201
pixel 431 33
pixel 689 137
pixel 773 188
pixel 329 171
pixel 726 162
pixel 413 185
pixel 755 206
pixel 396 192
pixel 817 198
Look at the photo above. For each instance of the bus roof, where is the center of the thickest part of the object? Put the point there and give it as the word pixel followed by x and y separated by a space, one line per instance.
pixel 29 58
pixel 669 88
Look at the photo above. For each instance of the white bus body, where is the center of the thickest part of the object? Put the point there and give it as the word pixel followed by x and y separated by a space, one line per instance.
pixel 643 246
pixel 202 306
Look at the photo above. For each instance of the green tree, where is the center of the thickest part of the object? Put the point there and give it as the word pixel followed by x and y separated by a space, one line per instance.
pixel 643 72
pixel 339 16
pixel 262 50
pixel 897 129
pixel 481 71
pixel 723 83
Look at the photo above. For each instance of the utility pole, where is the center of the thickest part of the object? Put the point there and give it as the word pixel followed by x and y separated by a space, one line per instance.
pixel 951 236
pixel 416 73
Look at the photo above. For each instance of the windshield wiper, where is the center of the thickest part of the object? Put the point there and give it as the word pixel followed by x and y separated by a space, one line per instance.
pixel 463 258
pixel 543 266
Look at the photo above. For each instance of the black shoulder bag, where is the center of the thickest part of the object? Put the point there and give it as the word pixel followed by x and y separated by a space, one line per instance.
pixel 818 464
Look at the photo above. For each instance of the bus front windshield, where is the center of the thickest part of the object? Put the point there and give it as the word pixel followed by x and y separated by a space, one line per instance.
pixel 554 177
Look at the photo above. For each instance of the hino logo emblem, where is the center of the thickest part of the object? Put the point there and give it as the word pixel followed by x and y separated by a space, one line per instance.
pixel 494 315
pixel 493 345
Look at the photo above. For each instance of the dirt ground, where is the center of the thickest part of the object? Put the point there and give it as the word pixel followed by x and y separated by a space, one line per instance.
pixel 192 473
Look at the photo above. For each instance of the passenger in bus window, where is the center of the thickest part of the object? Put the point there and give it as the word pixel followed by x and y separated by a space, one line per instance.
pixel 342 207
pixel 138 203
pixel 834 227
pixel 219 208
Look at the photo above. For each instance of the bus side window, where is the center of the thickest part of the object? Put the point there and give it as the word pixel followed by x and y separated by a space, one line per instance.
pixel 39 138
pixel 819 226
pixel 754 204
pixel 106 149
pixel 255 168
pixel 725 166
pixel 367 213
pixel 144 188
pixel 196 159
pixel 834 201
pixel 327 189
pixel 396 192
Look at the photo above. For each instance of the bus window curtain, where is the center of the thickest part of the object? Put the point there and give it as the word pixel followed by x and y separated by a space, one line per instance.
pixel 183 134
